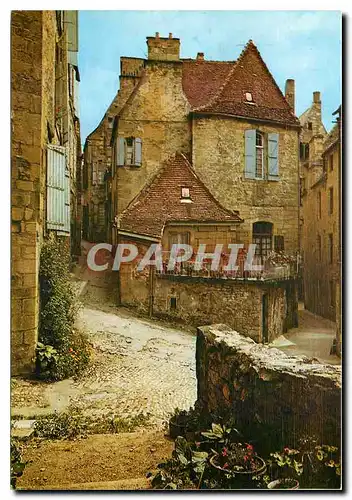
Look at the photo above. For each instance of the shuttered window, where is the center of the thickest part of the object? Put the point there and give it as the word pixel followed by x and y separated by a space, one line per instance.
pixel 129 151
pixel 58 190
pixel 260 147
pixel 273 156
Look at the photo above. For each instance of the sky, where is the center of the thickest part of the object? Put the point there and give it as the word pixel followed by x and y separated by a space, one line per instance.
pixel 303 45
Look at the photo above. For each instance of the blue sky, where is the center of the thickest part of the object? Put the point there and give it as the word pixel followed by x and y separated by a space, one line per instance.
pixel 304 45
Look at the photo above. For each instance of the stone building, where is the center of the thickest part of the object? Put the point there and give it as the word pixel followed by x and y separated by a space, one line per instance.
pixel 321 237
pixel 45 159
pixel 239 136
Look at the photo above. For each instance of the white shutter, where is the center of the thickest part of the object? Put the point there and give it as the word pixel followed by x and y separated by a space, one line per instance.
pixel 58 215
pixel 120 149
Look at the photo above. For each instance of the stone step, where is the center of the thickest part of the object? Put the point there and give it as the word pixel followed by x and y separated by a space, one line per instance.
pixel 140 483
pixel 22 429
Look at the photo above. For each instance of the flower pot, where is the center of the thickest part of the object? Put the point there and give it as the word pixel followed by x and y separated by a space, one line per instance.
pixel 284 484
pixel 243 479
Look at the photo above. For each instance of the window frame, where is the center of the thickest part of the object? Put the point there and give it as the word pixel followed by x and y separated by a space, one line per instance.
pixel 259 148
pixel 331 200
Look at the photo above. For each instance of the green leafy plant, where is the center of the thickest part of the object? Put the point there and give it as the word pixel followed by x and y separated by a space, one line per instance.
pixel 184 470
pixel 73 423
pixel 314 465
pixel 17 465
pixel 62 350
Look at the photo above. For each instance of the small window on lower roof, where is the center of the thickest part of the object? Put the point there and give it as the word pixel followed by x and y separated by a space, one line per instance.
pixel 185 192
pixel 249 97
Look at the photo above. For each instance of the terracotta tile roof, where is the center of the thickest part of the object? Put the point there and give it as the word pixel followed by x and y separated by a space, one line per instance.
pixel 201 80
pixel 160 201
pixel 248 74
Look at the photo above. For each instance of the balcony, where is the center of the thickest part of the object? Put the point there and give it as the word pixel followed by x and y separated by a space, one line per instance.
pixel 275 267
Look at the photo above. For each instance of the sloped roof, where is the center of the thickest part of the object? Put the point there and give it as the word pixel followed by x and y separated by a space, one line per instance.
pixel 332 137
pixel 248 74
pixel 160 201
pixel 201 80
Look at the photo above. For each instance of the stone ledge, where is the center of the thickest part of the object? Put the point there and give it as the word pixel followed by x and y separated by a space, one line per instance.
pixel 277 397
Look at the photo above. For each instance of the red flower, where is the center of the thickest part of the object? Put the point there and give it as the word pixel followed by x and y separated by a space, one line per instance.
pixel 249 447
pixel 245 458
pixel 224 452
pixel 225 466
pixel 197 444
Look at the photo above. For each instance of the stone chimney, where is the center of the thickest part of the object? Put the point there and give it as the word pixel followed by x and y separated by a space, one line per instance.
pixel 200 56
pixel 290 93
pixel 163 49
pixel 317 104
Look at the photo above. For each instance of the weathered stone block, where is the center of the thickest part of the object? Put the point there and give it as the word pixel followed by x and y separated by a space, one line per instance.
pixel 275 398
pixel 25 185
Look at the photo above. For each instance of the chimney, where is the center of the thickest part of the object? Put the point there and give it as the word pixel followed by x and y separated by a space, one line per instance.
pixel 290 93
pixel 200 56
pixel 316 97
pixel 163 49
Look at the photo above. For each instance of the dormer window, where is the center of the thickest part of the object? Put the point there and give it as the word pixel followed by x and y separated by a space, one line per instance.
pixel 249 97
pixel 185 195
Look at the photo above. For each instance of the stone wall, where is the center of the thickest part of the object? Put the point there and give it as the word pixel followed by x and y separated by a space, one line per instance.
pixel 199 300
pixel 26 159
pixel 218 157
pixel 275 398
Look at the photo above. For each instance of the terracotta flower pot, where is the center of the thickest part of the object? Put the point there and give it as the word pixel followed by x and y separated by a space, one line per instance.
pixel 284 484
pixel 256 472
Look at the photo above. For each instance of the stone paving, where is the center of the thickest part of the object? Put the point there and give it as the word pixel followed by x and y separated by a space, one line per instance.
pixel 138 366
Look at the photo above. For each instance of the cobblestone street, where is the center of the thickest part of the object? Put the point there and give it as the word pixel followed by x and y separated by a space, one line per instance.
pixel 138 366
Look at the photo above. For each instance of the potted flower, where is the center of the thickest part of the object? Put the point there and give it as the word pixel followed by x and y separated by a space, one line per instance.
pixel 288 483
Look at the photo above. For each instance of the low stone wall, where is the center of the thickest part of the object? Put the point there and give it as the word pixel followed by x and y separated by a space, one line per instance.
pixel 275 398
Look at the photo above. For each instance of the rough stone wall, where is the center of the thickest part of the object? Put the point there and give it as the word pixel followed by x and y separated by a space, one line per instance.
pixel 26 159
pixel 207 300
pixel 158 115
pixel 202 301
pixel 218 156
pixel 275 398
pixel 34 36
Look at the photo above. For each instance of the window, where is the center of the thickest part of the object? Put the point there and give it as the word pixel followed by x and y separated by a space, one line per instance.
pixel 262 237
pixel 304 151
pixel 319 246
pixel 279 244
pixel 331 201
pixel 185 192
pixel 129 151
pixel 101 176
pixel 310 126
pixel 331 162
pixel 259 144
pixel 249 97
pixel 331 248
pixel 179 238
pixel 110 122
pixel 257 164
pixel 319 204
pixel 172 303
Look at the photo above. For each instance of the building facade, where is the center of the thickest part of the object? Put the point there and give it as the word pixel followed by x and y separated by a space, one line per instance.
pixel 240 140
pixel 322 231
pixel 45 159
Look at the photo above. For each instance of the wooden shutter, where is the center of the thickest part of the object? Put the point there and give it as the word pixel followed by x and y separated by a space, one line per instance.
pixel 57 213
pixel 138 151
pixel 249 171
pixel 120 145
pixel 273 156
